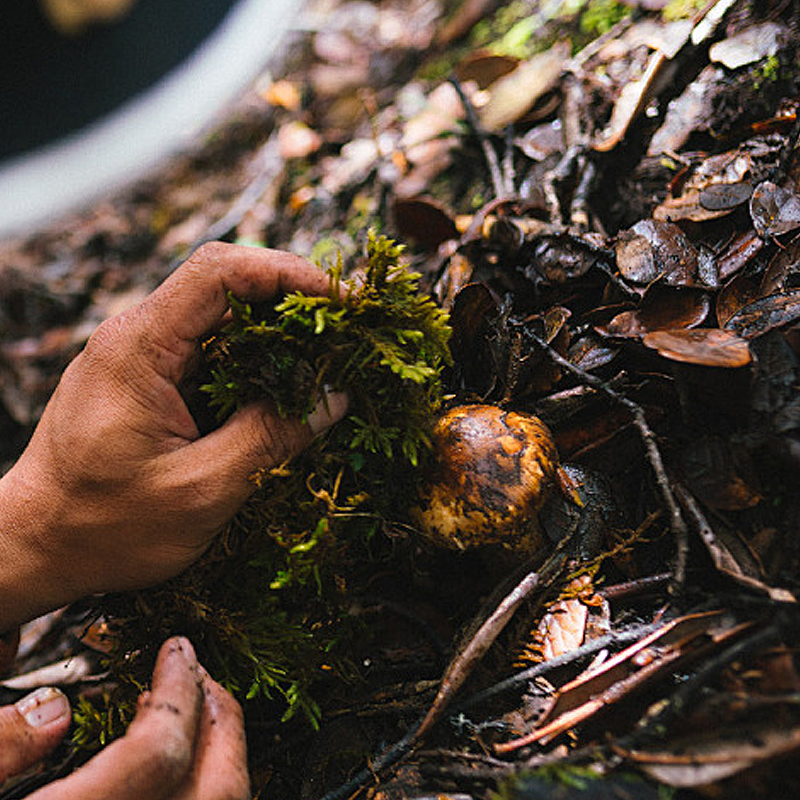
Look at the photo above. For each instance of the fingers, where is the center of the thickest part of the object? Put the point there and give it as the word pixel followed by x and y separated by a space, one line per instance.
pixel 30 729
pixel 254 438
pixel 186 743
pixel 155 757
pixel 194 298
pixel 220 768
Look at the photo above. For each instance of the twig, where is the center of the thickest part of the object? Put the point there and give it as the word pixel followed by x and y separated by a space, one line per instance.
pixel 384 760
pixel 553 177
pixel 509 174
pixel 687 693
pixel 462 664
pixel 635 587
pixel 460 667
pixel 488 151
pixel 522 679
pixel 579 207
pixel 677 523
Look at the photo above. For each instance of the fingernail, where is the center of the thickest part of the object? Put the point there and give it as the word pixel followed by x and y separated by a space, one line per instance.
pixel 330 409
pixel 43 707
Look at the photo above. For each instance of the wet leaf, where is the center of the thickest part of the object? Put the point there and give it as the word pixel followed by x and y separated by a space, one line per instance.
pixel 709 347
pixel 653 250
pixel 774 210
pixel 739 253
pixel 735 295
pixel 662 308
pixel 474 310
pixel 591 352
pixel 765 314
pixel 783 269
pixel 558 257
pixel 725 196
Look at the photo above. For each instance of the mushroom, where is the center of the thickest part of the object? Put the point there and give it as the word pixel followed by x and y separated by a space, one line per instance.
pixel 492 472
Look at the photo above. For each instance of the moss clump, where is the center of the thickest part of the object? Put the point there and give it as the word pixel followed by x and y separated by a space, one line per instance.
pixel 264 607
pixel 600 16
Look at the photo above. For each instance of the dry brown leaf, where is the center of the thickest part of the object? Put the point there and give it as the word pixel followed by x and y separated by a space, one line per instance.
pixel 709 347
pixel 484 68
pixel 703 760
pixel 563 627
pixel 423 220
pixel 513 95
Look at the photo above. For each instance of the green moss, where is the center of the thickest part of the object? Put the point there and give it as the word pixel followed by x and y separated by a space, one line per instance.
pixel 682 9
pixel 602 15
pixel 768 71
pixel 265 607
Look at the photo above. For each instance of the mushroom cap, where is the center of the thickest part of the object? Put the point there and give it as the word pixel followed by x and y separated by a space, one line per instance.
pixel 492 472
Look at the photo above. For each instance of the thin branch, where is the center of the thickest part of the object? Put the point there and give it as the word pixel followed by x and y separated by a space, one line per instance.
pixel 522 679
pixel 489 153
pixel 677 523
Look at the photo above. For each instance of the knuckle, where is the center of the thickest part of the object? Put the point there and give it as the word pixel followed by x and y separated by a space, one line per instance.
pixel 273 443
pixel 103 341
pixel 168 756
pixel 208 254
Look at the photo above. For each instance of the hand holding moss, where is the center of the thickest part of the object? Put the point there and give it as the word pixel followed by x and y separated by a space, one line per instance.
pixel 117 488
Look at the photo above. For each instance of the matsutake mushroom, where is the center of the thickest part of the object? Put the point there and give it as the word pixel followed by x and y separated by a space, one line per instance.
pixel 492 472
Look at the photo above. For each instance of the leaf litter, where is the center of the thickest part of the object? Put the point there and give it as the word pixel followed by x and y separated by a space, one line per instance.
pixel 606 198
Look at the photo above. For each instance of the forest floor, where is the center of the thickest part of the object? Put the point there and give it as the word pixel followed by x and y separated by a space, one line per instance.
pixel 605 197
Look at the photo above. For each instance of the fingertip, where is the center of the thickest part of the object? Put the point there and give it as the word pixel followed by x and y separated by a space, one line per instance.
pixel 329 410
pixel 45 707
pixel 31 728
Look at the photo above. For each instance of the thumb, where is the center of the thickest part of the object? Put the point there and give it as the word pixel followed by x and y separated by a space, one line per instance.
pixel 257 437
pixel 31 728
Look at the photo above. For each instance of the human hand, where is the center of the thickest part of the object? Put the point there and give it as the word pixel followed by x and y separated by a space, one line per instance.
pixel 117 489
pixel 185 743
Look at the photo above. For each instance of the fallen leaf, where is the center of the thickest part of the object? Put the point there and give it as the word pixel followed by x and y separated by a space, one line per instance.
pixel 765 314
pixel 752 44
pixel 736 294
pixel 654 250
pixel 782 270
pixel 706 759
pixel 738 254
pixel 662 308
pixel 485 68
pixel 774 210
pixel 709 347
pixel 720 474
pixel 513 95
pixel 423 220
